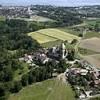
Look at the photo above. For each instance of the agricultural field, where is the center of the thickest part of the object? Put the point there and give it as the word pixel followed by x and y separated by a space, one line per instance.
pixel 40 19
pixel 70 30
pixel 91 44
pixel 36 19
pixel 2 18
pixel 58 34
pixel 51 37
pixel 41 38
pixel 52 89
pixel 51 44
pixel 94 60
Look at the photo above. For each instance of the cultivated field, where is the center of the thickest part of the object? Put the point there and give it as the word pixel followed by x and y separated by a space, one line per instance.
pixel 51 36
pixel 94 60
pixel 58 34
pixel 47 90
pixel 40 18
pixel 41 38
pixel 91 44
pixel 36 18
pixel 2 18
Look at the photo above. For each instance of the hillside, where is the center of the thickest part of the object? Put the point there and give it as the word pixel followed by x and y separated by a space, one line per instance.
pixel 47 90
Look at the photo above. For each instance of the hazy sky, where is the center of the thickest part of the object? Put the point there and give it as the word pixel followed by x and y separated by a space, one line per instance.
pixel 51 2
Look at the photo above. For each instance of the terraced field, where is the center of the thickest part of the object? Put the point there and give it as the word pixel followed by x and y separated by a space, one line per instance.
pixel 48 90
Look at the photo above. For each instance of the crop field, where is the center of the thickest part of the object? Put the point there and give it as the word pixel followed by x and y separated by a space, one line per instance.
pixel 91 44
pixel 94 60
pixel 70 30
pixel 51 44
pixel 40 18
pixel 51 37
pixel 36 19
pixel 41 38
pixel 48 90
pixel 58 34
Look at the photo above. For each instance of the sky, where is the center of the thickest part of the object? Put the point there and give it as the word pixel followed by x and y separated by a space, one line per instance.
pixel 51 2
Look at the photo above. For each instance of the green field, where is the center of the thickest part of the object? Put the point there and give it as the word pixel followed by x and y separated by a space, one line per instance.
pixel 51 44
pixel 49 35
pixel 93 21
pixel 70 30
pixel 58 34
pixel 48 90
pixel 36 19
pixel 2 18
pixel 41 38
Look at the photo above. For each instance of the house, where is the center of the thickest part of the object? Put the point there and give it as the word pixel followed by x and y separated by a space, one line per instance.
pixel 40 57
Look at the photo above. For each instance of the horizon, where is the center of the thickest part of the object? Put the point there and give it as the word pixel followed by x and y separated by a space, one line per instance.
pixel 50 2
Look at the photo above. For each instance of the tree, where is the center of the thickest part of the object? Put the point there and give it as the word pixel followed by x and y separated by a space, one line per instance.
pixel 17 86
pixel 8 74
pixel 2 90
pixel 24 80
pixel 74 41
pixel 97 27
pixel 71 55
pixel 62 66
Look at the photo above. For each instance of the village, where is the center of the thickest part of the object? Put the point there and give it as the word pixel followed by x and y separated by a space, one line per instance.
pixel 82 76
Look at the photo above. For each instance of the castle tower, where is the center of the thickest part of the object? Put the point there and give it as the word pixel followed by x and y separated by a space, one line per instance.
pixel 64 51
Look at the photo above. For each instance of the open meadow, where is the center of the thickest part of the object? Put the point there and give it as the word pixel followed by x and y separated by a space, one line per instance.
pixel 47 90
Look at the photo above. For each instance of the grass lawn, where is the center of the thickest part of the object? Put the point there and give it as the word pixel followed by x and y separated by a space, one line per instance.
pixel 47 90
